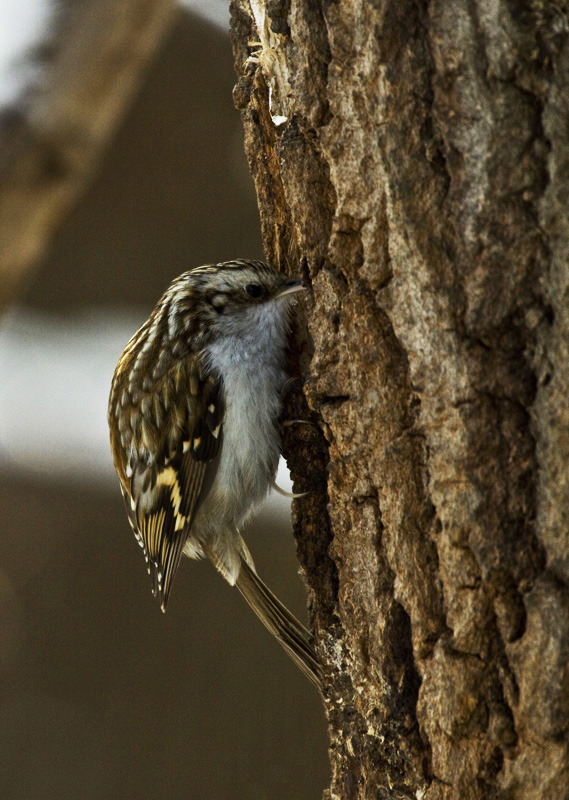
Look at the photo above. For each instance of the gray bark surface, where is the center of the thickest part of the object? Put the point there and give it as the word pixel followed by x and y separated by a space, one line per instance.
pixel 412 160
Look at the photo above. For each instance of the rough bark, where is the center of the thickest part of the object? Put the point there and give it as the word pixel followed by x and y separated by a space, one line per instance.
pixel 412 160
pixel 51 142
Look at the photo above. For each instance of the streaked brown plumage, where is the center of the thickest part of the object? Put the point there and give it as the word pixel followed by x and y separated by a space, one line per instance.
pixel 193 415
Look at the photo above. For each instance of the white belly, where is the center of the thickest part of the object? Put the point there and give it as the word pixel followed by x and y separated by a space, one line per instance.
pixel 253 377
pixel 251 441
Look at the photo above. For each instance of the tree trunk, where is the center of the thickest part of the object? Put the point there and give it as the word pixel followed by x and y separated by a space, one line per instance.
pixel 412 161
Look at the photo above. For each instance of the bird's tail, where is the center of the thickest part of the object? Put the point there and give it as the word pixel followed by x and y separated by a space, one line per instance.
pixel 296 640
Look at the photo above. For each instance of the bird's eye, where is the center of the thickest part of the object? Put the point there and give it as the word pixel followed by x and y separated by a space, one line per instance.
pixel 253 289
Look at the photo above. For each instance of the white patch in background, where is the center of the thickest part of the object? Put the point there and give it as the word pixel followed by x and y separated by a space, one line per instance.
pixel 216 11
pixel 23 25
pixel 55 377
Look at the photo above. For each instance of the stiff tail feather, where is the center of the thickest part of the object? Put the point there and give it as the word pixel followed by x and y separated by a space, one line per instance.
pixel 296 640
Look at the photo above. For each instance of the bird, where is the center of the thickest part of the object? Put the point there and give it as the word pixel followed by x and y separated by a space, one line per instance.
pixel 194 418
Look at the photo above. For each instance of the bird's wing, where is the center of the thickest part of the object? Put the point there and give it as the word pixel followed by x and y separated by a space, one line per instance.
pixel 170 478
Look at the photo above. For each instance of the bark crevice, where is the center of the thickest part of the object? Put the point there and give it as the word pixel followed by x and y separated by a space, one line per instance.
pixel 428 203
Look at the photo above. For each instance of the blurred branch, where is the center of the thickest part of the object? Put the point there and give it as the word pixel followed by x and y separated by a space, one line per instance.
pixel 50 150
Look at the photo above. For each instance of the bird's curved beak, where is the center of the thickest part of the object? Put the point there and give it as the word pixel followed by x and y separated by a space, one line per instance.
pixel 291 286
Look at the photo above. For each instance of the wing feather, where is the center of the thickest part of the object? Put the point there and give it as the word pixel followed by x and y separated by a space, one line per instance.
pixel 166 490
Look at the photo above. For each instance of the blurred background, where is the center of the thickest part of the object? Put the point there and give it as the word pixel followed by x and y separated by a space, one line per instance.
pixel 102 695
